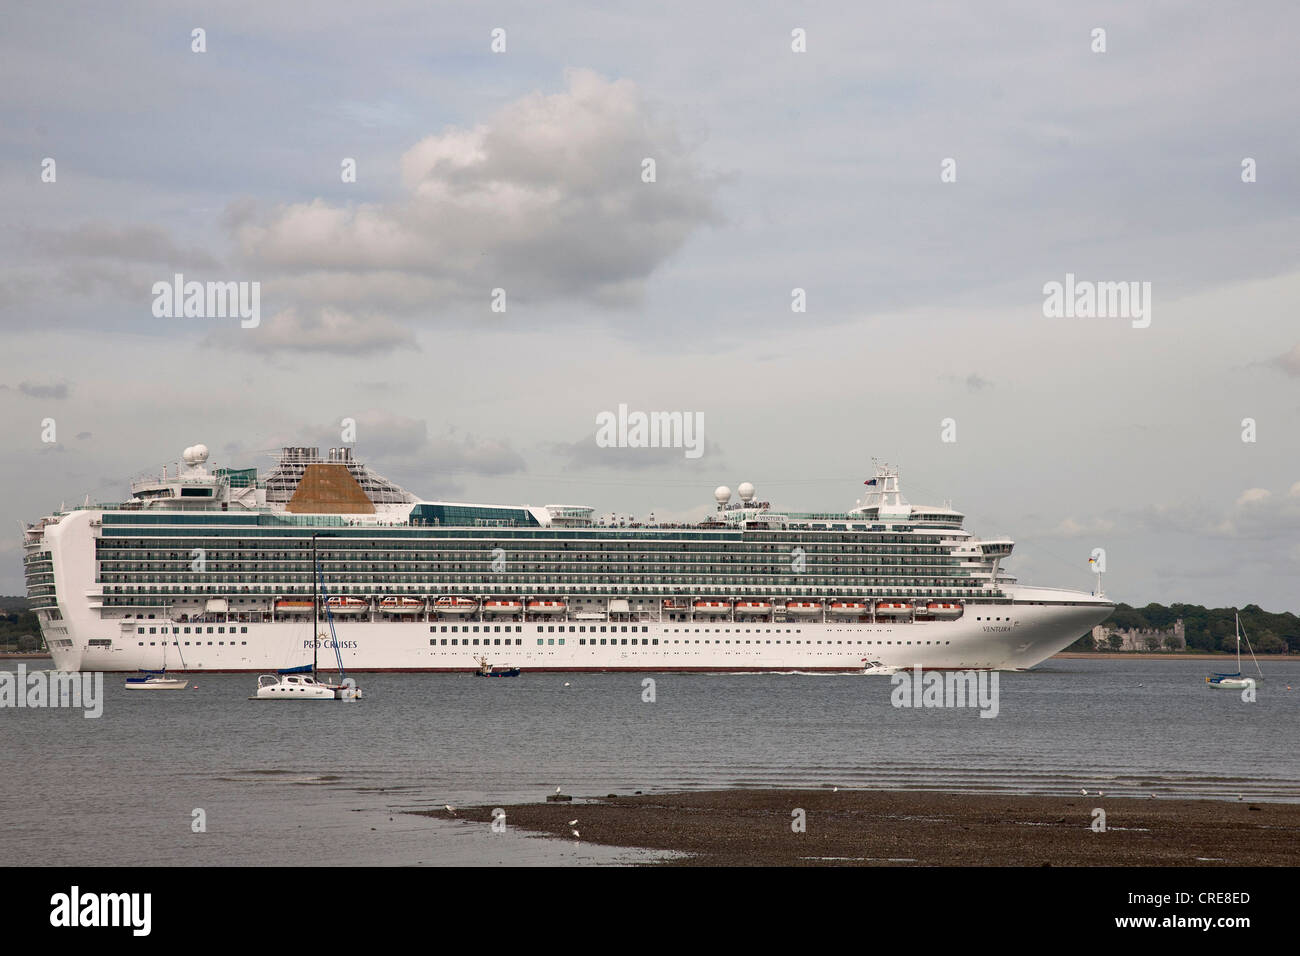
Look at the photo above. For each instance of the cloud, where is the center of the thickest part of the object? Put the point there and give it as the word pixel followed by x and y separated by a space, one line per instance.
pixel 585 453
pixel 1071 528
pixel 326 330
pixel 57 392
pixel 404 446
pixel 1289 362
pixel 121 243
pixel 545 200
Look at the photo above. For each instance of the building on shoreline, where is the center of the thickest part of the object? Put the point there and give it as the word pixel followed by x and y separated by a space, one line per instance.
pixel 1141 638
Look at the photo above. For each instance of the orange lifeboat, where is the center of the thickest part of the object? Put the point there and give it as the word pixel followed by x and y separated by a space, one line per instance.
pixel 753 607
pixel 849 608
pixel 803 608
pixel 892 609
pixel 399 604
pixel 338 604
pixel 546 607
pixel 455 605
pixel 293 605
pixel 712 607
pixel 504 606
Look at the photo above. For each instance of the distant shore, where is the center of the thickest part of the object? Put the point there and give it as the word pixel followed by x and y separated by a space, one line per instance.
pixel 917 828
pixel 1163 656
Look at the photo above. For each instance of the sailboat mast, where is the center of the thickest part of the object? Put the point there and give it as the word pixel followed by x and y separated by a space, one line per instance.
pixel 316 608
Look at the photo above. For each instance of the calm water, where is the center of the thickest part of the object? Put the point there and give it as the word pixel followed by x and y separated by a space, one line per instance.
pixel 319 782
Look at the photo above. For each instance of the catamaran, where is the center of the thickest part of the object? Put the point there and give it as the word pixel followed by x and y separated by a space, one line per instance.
pixel 301 683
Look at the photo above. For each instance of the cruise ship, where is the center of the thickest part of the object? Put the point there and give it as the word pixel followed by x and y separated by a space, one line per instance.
pixel 211 570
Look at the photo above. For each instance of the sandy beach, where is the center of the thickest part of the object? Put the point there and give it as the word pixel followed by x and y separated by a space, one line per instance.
pixel 894 828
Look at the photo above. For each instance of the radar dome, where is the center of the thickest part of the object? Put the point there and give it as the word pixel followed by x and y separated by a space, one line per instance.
pixel 722 494
pixel 746 491
pixel 195 454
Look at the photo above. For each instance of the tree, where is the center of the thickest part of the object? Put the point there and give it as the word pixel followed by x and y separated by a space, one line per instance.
pixel 1084 643
pixel 1172 643
pixel 1152 642
pixel 1270 643
pixel 1115 641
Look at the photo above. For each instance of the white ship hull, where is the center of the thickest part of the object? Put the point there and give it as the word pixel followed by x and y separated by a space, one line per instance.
pixel 1018 636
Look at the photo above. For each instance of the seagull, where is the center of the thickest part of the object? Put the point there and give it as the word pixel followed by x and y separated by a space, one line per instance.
pixel 835 789
pixel 1101 793
pixel 449 808
pixel 566 683
pixel 1084 792
pixel 573 823
pixel 557 789
pixel 575 833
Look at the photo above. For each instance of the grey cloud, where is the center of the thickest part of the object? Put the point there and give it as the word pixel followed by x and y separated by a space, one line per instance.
pixel 57 392
pixel 544 200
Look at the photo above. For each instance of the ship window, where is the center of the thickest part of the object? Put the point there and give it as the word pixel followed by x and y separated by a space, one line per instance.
pixel 602 640
pixel 539 640
pixel 582 640
pixel 140 630
pixel 243 630
pixel 550 640
pixel 625 640
pixel 561 640
pixel 656 640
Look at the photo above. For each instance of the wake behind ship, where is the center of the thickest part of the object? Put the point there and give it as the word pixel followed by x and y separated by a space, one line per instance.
pixel 215 566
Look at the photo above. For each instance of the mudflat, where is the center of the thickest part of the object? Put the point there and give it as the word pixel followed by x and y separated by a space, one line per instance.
pixel 917 828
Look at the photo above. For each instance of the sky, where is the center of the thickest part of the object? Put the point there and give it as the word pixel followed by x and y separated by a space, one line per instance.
pixel 922 172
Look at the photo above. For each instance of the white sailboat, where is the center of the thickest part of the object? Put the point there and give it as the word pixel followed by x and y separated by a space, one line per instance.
pixel 1236 681
pixel 158 680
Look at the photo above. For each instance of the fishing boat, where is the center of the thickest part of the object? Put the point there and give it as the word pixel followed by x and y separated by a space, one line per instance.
pixel 495 670
pixel 1235 680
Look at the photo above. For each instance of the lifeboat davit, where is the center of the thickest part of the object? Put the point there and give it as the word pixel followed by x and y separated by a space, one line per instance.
pixel 398 604
pixel 674 604
pixel 455 605
pixel 943 609
pixel 892 609
pixel 849 608
pixel 803 608
pixel 546 607
pixel 502 607
pixel 293 605
pixel 338 604
pixel 712 607
pixel 753 607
